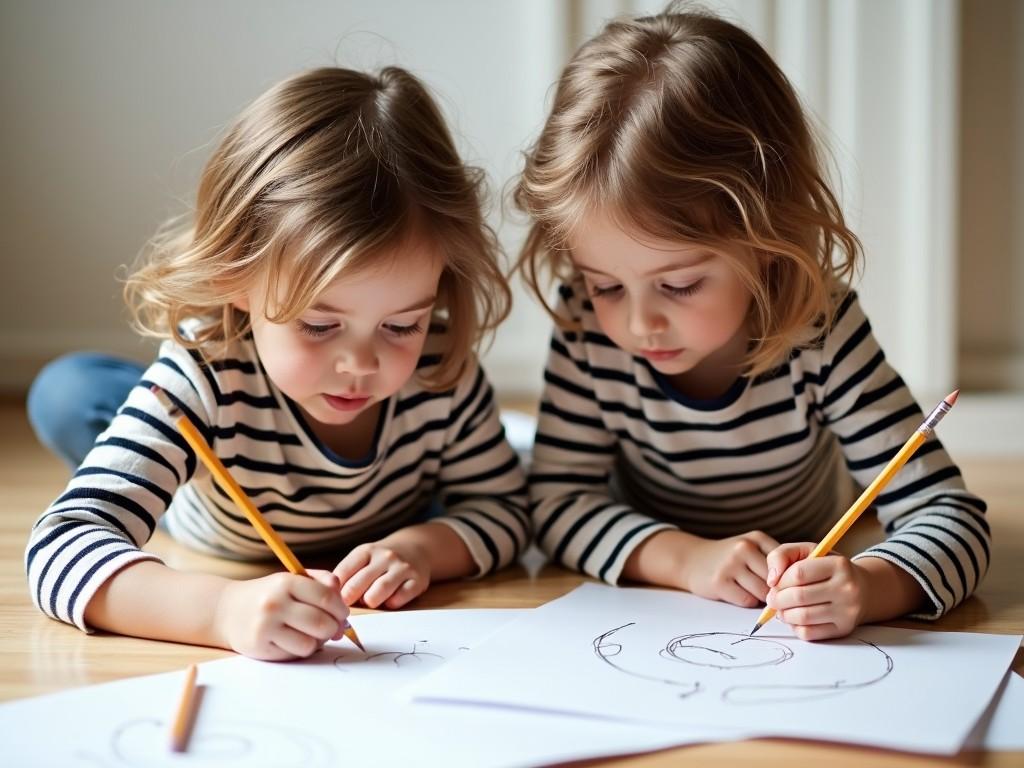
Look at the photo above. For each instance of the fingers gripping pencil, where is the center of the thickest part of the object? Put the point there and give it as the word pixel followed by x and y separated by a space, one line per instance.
pixel 234 490
pixel 895 464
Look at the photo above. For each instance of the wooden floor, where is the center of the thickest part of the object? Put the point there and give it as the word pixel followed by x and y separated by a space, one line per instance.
pixel 38 655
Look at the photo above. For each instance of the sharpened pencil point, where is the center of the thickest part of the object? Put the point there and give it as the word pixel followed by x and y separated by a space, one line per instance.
pixel 350 633
pixel 754 630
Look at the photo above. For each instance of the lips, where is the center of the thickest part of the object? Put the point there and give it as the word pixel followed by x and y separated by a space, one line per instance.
pixel 346 402
pixel 660 354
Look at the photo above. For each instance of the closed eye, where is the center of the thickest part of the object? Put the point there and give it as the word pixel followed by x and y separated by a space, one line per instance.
pixel 596 290
pixel 405 330
pixel 684 290
pixel 316 331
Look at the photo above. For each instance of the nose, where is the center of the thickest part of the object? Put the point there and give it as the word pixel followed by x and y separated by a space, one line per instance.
pixel 358 358
pixel 645 320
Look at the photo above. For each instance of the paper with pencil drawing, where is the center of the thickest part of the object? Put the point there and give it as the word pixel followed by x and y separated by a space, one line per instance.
pixel 672 658
pixel 338 708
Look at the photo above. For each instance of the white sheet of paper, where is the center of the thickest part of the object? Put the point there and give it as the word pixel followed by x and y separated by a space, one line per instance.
pixel 672 658
pixel 337 708
pixel 1002 728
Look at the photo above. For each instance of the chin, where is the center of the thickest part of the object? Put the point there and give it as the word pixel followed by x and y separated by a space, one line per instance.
pixel 326 415
pixel 673 367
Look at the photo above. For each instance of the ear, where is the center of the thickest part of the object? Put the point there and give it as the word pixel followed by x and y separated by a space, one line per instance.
pixel 241 303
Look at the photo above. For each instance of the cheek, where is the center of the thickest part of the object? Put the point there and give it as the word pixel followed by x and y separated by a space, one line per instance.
pixel 289 362
pixel 398 362
pixel 727 310
pixel 612 319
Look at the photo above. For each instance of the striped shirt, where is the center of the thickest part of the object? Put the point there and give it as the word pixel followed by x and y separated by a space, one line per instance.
pixel 620 455
pixel 446 447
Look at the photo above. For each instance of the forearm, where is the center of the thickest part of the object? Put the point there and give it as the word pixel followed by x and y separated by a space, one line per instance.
pixel 148 599
pixel 444 551
pixel 661 559
pixel 890 592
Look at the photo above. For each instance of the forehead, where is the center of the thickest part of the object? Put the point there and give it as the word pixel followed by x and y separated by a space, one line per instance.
pixel 599 243
pixel 390 281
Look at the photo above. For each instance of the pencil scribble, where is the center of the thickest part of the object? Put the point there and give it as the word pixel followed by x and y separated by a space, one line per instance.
pixel 398 658
pixel 606 650
pixel 706 650
pixel 718 651
pixel 142 743
pixel 769 694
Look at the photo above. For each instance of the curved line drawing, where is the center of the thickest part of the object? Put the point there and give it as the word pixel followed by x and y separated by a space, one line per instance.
pixel 142 742
pixel 605 650
pixel 672 651
pixel 702 650
pixel 810 692
pixel 344 664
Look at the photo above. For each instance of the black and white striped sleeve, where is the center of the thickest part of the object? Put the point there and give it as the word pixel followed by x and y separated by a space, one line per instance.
pixel 113 501
pixel 577 522
pixel 936 529
pixel 482 484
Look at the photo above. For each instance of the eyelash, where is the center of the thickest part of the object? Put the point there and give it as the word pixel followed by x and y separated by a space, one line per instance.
pixel 317 331
pixel 686 290
pixel 405 330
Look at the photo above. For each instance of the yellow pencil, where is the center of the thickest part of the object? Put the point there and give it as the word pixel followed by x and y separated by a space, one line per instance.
pixel 234 490
pixel 181 728
pixel 869 494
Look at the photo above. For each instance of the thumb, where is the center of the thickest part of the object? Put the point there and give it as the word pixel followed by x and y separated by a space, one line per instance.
pixel 783 556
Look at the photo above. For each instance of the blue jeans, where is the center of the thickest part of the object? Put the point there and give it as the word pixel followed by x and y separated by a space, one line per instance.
pixel 74 398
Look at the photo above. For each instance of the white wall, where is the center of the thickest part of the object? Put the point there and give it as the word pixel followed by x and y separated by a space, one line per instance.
pixel 991 268
pixel 110 108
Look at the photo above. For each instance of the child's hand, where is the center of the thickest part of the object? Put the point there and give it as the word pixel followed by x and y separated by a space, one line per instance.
pixel 819 598
pixel 733 570
pixel 384 573
pixel 281 616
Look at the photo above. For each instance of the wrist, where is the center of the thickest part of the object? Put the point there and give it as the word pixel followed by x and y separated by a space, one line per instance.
pixel 446 552
pixel 888 591
pixel 221 621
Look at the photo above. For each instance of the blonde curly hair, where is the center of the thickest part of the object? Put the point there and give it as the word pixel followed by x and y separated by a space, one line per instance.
pixel 316 178
pixel 681 126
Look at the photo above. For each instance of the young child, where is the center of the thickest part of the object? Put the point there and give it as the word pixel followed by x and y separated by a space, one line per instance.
pixel 710 362
pixel 319 315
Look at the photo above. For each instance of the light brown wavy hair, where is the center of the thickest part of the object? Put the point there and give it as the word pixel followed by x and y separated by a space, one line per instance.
pixel 320 177
pixel 681 127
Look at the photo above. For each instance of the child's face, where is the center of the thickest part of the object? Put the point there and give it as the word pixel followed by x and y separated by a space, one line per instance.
pixel 360 340
pixel 676 304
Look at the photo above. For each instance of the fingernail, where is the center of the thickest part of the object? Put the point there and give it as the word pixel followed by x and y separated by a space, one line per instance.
pixel 773 574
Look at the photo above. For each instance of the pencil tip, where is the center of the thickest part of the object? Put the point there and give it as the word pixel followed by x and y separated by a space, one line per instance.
pixel 951 398
pixel 350 633
pixel 754 630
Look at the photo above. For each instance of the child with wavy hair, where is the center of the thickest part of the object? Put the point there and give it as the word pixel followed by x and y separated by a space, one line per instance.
pixel 319 314
pixel 710 362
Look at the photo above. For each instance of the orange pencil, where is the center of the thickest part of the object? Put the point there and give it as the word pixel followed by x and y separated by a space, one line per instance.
pixel 895 463
pixel 184 718
pixel 234 490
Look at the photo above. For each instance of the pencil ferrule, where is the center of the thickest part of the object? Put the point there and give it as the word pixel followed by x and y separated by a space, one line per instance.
pixel 933 418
